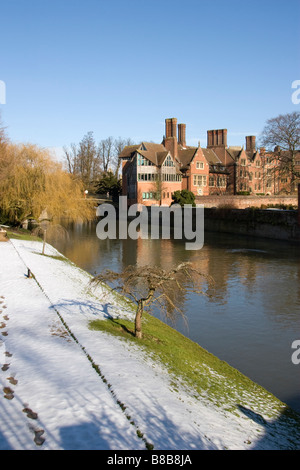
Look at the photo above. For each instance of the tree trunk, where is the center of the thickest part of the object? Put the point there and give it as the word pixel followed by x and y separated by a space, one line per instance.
pixel 138 320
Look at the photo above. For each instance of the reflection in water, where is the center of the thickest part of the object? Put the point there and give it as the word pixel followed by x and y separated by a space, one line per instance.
pixel 253 317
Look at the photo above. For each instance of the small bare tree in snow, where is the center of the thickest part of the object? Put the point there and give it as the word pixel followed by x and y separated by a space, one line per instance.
pixel 148 285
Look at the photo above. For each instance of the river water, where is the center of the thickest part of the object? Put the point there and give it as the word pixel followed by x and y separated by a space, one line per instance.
pixel 253 316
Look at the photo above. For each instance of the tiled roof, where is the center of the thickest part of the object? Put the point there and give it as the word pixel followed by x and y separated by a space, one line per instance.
pixel 211 157
pixel 215 164
pixel 128 151
pixel 252 154
pixel 155 153
pixel 234 152
pixel 186 155
pixel 161 156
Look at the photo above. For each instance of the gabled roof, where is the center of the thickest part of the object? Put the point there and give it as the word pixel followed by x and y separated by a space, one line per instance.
pixel 251 154
pixel 186 155
pixel 128 151
pixel 161 156
pixel 155 153
pixel 211 157
pixel 149 150
pixel 234 152
pixel 215 164
pixel 256 154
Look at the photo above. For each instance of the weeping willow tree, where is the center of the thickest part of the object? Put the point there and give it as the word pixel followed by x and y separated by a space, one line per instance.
pixel 32 184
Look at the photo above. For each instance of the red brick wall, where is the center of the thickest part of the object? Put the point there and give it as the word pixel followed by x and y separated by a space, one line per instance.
pixel 125 165
pixel 167 189
pixel 242 202
pixel 193 170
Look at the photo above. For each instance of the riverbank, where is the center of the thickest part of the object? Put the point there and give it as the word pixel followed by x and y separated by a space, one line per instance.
pixel 272 223
pixel 65 386
pixel 246 202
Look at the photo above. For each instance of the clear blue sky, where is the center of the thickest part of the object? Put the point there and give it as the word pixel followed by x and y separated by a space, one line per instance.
pixel 120 67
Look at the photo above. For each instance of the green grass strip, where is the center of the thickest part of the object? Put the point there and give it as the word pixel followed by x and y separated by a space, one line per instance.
pixel 200 373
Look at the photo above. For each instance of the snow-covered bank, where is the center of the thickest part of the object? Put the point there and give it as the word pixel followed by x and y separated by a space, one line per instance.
pixel 53 396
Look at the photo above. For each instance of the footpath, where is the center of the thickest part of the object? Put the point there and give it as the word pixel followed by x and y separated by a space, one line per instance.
pixel 66 387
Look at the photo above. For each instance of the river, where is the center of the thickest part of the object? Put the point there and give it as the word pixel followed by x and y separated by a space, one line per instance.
pixel 253 317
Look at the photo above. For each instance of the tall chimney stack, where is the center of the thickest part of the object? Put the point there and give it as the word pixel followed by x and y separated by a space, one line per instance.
pixel 182 134
pixel 168 132
pixel 250 143
pixel 170 141
pixel 217 138
pixel 171 128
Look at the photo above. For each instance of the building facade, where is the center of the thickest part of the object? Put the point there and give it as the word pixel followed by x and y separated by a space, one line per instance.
pixel 151 172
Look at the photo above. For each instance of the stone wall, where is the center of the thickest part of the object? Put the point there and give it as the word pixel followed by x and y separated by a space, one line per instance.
pixel 243 202
pixel 274 224
pixel 268 223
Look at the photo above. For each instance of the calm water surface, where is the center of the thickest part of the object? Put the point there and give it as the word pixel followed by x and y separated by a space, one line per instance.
pixel 253 317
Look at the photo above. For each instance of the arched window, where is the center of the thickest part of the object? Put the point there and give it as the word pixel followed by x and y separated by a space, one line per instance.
pixel 168 161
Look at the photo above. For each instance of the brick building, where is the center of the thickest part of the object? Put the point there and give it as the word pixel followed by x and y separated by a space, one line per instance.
pixel 152 172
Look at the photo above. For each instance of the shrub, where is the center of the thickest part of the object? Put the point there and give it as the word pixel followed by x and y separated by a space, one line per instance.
pixel 183 197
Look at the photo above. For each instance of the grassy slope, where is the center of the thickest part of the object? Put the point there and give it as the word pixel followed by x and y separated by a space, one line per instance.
pixel 193 367
pixel 22 234
pixel 207 378
pixel 201 373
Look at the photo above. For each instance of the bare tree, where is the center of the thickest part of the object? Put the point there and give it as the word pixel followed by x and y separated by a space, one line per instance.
pixel 84 161
pixel 147 285
pixel 106 153
pixel 119 145
pixel 109 151
pixel 282 136
pixel 89 161
pixel 72 159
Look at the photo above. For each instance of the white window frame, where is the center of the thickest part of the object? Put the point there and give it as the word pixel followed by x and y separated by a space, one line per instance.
pixel 200 181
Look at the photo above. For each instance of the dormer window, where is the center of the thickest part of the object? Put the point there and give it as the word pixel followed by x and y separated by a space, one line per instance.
pixel 142 161
pixel 168 161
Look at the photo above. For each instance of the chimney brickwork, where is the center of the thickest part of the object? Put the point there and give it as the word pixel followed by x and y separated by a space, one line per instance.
pixel 171 128
pixel 170 141
pixel 250 143
pixel 182 134
pixel 217 138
